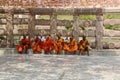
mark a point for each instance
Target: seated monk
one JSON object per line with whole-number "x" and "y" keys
{"x": 65, "y": 45}
{"x": 58, "y": 45}
{"x": 84, "y": 46}
{"x": 48, "y": 45}
{"x": 25, "y": 44}
{"x": 73, "y": 47}
{"x": 37, "y": 45}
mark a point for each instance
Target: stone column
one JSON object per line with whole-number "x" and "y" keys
{"x": 31, "y": 26}
{"x": 53, "y": 25}
{"x": 9, "y": 27}
{"x": 76, "y": 27}
{"x": 99, "y": 32}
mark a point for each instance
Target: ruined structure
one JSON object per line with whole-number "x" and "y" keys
{"x": 31, "y": 21}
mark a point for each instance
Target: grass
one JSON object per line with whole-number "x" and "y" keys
{"x": 115, "y": 27}
{"x": 46, "y": 17}
{"x": 105, "y": 39}
{"x": 113, "y": 16}
{"x": 65, "y": 17}
{"x": 87, "y": 17}
{"x": 69, "y": 17}
{"x": 81, "y": 17}
{"x": 116, "y": 40}
{"x": 59, "y": 17}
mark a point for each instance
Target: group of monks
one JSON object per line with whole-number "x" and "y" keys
{"x": 48, "y": 45}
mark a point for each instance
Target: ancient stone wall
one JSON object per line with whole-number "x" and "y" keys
{"x": 98, "y": 32}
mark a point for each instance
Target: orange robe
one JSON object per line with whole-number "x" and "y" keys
{"x": 28, "y": 43}
{"x": 25, "y": 44}
{"x": 51, "y": 43}
{"x": 73, "y": 45}
{"x": 65, "y": 45}
{"x": 37, "y": 45}
{"x": 58, "y": 46}
{"x": 83, "y": 44}
{"x": 48, "y": 45}
{"x": 19, "y": 48}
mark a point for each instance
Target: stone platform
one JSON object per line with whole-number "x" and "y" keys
{"x": 58, "y": 67}
{"x": 104, "y": 52}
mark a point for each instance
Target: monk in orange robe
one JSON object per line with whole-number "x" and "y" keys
{"x": 84, "y": 46}
{"x": 25, "y": 43}
{"x": 37, "y": 46}
{"x": 48, "y": 45}
{"x": 65, "y": 44}
{"x": 58, "y": 45}
{"x": 73, "y": 47}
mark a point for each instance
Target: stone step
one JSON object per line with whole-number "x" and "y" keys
{"x": 105, "y": 52}
{"x": 59, "y": 67}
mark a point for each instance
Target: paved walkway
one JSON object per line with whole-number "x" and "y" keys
{"x": 62, "y": 67}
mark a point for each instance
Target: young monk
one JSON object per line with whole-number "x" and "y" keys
{"x": 48, "y": 45}
{"x": 58, "y": 45}
{"x": 25, "y": 44}
{"x": 73, "y": 47}
{"x": 37, "y": 45}
{"x": 84, "y": 46}
{"x": 65, "y": 45}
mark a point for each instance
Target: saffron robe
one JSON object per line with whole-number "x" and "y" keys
{"x": 48, "y": 45}
{"x": 19, "y": 48}
{"x": 83, "y": 44}
{"x": 72, "y": 45}
{"x": 25, "y": 44}
{"x": 58, "y": 46}
{"x": 37, "y": 46}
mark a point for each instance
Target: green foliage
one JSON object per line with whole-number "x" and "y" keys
{"x": 84, "y": 17}
{"x": 87, "y": 17}
{"x": 46, "y": 17}
{"x": 82, "y": 28}
{"x": 65, "y": 17}
{"x": 112, "y": 27}
{"x": 68, "y": 27}
{"x": 81, "y": 17}
{"x": 112, "y": 16}
{"x": 3, "y": 37}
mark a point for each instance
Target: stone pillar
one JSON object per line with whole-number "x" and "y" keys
{"x": 99, "y": 32}
{"x": 31, "y": 26}
{"x": 53, "y": 25}
{"x": 76, "y": 27}
{"x": 9, "y": 27}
